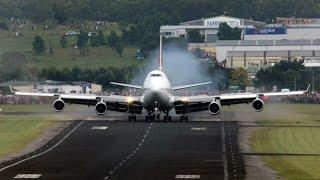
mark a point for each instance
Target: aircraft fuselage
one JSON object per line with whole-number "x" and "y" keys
{"x": 158, "y": 92}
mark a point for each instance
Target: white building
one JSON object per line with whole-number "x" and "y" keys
{"x": 65, "y": 89}
{"x": 292, "y": 48}
{"x": 208, "y": 27}
{"x": 281, "y": 32}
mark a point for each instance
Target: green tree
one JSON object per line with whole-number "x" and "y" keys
{"x": 82, "y": 42}
{"x": 226, "y": 32}
{"x": 239, "y": 77}
{"x": 38, "y": 45}
{"x": 59, "y": 14}
{"x": 194, "y": 36}
{"x": 63, "y": 42}
{"x": 112, "y": 39}
{"x": 118, "y": 48}
{"x": 286, "y": 74}
{"x": 97, "y": 39}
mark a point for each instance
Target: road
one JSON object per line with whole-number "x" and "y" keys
{"x": 131, "y": 150}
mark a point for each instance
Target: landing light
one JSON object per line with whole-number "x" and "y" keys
{"x": 184, "y": 99}
{"x": 129, "y": 99}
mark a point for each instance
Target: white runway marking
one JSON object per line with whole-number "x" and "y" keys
{"x": 31, "y": 157}
{"x": 140, "y": 145}
{"x": 198, "y": 129}
{"x": 190, "y": 176}
{"x": 99, "y": 127}
{"x": 27, "y": 176}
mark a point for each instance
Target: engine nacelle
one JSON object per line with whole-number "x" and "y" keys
{"x": 257, "y": 105}
{"x": 101, "y": 108}
{"x": 214, "y": 107}
{"x": 58, "y": 105}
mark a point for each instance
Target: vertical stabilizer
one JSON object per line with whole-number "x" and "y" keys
{"x": 160, "y": 63}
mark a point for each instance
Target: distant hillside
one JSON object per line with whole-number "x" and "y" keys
{"x": 167, "y": 10}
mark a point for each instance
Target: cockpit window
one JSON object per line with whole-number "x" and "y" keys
{"x": 155, "y": 75}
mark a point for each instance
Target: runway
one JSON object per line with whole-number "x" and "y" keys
{"x": 119, "y": 150}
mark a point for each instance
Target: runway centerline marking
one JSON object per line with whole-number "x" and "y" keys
{"x": 99, "y": 127}
{"x": 189, "y": 176}
{"x": 27, "y": 176}
{"x": 126, "y": 159}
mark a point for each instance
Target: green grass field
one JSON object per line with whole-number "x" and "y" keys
{"x": 22, "y": 124}
{"x": 64, "y": 57}
{"x": 301, "y": 140}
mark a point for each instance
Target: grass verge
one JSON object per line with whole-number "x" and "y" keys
{"x": 293, "y": 140}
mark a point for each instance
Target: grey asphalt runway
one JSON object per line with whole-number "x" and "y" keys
{"x": 130, "y": 150}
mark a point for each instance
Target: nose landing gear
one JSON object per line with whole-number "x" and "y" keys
{"x": 150, "y": 116}
{"x": 132, "y": 117}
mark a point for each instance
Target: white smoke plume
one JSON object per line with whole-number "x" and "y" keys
{"x": 181, "y": 67}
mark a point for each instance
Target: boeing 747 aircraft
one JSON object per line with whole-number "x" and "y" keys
{"x": 158, "y": 98}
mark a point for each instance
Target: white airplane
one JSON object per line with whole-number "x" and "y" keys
{"x": 158, "y": 97}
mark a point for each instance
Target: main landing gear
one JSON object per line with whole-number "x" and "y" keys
{"x": 152, "y": 116}
{"x": 167, "y": 117}
{"x": 184, "y": 117}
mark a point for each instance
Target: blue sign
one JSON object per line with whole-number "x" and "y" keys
{"x": 256, "y": 31}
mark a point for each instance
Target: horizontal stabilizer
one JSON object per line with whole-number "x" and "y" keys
{"x": 126, "y": 85}
{"x": 190, "y": 85}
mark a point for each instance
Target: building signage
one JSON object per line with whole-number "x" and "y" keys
{"x": 256, "y": 31}
{"x": 312, "y": 62}
{"x": 216, "y": 22}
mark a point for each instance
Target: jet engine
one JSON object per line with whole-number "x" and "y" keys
{"x": 101, "y": 108}
{"x": 214, "y": 107}
{"x": 58, "y": 105}
{"x": 257, "y": 105}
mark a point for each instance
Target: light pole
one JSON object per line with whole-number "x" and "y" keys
{"x": 73, "y": 52}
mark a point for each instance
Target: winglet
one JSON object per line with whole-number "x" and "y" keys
{"x": 308, "y": 89}
{"x": 11, "y": 90}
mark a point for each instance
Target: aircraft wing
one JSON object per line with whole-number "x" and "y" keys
{"x": 190, "y": 85}
{"x": 113, "y": 102}
{"x": 126, "y": 85}
{"x": 184, "y": 104}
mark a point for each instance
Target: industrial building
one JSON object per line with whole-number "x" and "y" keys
{"x": 289, "y": 49}
{"x": 262, "y": 44}
{"x": 283, "y": 32}
{"x": 54, "y": 87}
{"x": 208, "y": 27}
{"x": 256, "y": 54}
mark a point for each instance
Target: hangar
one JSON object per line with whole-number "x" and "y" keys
{"x": 208, "y": 27}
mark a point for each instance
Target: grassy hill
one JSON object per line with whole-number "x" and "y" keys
{"x": 62, "y": 57}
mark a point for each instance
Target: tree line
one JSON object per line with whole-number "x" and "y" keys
{"x": 101, "y": 76}
{"x": 96, "y": 39}
{"x": 287, "y": 74}
{"x": 133, "y": 11}
{"x": 141, "y": 19}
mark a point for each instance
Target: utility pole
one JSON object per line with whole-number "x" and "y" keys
{"x": 312, "y": 80}
{"x": 73, "y": 52}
